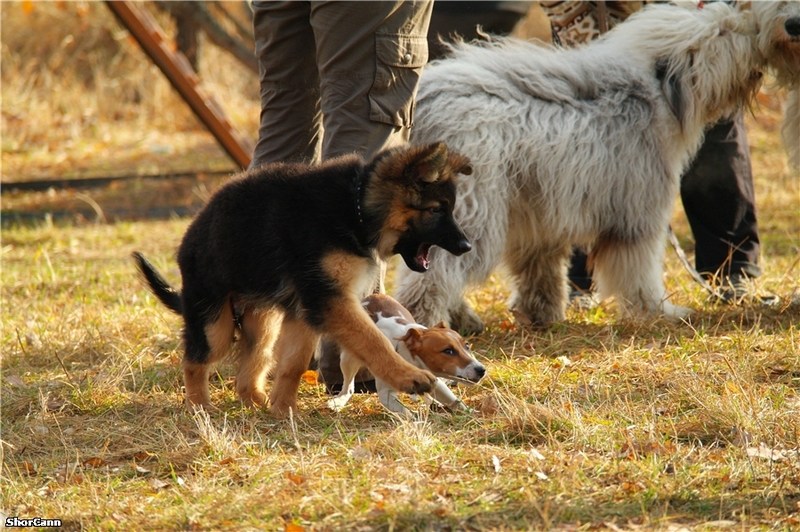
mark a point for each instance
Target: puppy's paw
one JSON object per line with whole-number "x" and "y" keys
{"x": 253, "y": 399}
{"x": 281, "y": 409}
{"x": 195, "y": 407}
{"x": 414, "y": 381}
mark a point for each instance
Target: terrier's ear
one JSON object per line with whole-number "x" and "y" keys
{"x": 412, "y": 337}
{"x": 429, "y": 163}
{"x": 441, "y": 325}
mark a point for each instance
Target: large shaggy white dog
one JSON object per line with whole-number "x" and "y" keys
{"x": 779, "y": 44}
{"x": 576, "y": 147}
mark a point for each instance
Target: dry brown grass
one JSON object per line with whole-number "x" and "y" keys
{"x": 593, "y": 424}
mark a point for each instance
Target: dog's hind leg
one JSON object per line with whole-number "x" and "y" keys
{"x": 633, "y": 273}
{"x": 259, "y": 332}
{"x": 205, "y": 345}
{"x": 540, "y": 277}
{"x": 293, "y": 352}
{"x": 349, "y": 366}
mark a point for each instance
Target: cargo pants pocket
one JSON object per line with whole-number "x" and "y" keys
{"x": 400, "y": 59}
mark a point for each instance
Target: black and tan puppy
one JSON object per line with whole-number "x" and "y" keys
{"x": 286, "y": 252}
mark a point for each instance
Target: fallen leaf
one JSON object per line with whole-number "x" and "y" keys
{"x": 360, "y": 453}
{"x": 310, "y": 377}
{"x": 562, "y": 361}
{"x": 28, "y": 468}
{"x": 95, "y": 462}
{"x": 534, "y": 453}
{"x": 54, "y": 405}
{"x": 762, "y": 451}
{"x": 295, "y": 479}
{"x": 489, "y": 406}
{"x": 32, "y": 340}
{"x": 14, "y": 380}
{"x": 291, "y": 527}
{"x": 507, "y": 326}
{"x": 158, "y": 484}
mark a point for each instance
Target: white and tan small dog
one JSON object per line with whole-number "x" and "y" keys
{"x": 438, "y": 349}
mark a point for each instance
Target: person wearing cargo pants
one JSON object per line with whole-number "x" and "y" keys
{"x": 337, "y": 78}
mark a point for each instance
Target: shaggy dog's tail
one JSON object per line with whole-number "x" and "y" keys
{"x": 158, "y": 285}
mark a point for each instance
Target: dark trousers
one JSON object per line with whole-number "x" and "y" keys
{"x": 718, "y": 198}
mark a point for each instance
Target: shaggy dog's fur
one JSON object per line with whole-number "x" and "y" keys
{"x": 779, "y": 44}
{"x": 286, "y": 252}
{"x": 577, "y": 146}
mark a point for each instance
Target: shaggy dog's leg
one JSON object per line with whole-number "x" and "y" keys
{"x": 434, "y": 296}
{"x": 205, "y": 345}
{"x": 293, "y": 352}
{"x": 464, "y": 319}
{"x": 540, "y": 279}
{"x": 428, "y": 297}
{"x": 259, "y": 333}
{"x": 632, "y": 271}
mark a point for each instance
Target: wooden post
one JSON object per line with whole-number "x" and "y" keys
{"x": 180, "y": 74}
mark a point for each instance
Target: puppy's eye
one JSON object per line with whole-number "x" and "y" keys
{"x": 466, "y": 345}
{"x": 435, "y": 210}
{"x": 449, "y": 351}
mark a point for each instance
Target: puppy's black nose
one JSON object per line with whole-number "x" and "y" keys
{"x": 463, "y": 246}
{"x": 792, "y": 26}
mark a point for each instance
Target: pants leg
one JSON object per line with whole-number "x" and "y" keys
{"x": 291, "y": 122}
{"x": 718, "y": 197}
{"x": 370, "y": 57}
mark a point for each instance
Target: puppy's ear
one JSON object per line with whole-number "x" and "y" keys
{"x": 672, "y": 88}
{"x": 441, "y": 325}
{"x": 460, "y": 163}
{"x": 429, "y": 163}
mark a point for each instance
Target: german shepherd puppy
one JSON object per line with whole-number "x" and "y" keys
{"x": 286, "y": 252}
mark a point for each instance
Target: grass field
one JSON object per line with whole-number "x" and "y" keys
{"x": 598, "y": 423}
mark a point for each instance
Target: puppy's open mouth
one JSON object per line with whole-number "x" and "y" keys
{"x": 421, "y": 258}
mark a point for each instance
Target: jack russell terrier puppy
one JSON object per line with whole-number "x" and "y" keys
{"x": 439, "y": 349}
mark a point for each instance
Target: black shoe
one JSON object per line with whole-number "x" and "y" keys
{"x": 738, "y": 289}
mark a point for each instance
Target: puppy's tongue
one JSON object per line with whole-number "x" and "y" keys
{"x": 422, "y": 256}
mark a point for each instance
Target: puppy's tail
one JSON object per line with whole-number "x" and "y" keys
{"x": 158, "y": 285}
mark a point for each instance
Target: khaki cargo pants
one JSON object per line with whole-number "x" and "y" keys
{"x": 337, "y": 77}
